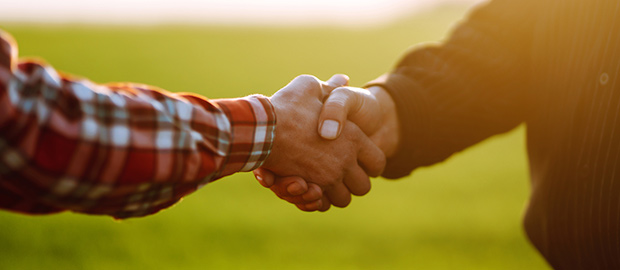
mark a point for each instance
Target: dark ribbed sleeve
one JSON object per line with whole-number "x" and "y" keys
{"x": 470, "y": 87}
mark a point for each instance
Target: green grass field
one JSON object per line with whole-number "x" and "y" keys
{"x": 462, "y": 214}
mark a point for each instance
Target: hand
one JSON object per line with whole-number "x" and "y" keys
{"x": 373, "y": 110}
{"x": 294, "y": 189}
{"x": 341, "y": 166}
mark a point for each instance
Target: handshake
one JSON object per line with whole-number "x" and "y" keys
{"x": 329, "y": 139}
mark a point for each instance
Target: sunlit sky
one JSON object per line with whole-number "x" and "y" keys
{"x": 337, "y": 12}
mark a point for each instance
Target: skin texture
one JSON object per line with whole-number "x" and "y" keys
{"x": 374, "y": 111}
{"x": 338, "y": 167}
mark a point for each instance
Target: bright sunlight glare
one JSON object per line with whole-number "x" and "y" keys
{"x": 272, "y": 12}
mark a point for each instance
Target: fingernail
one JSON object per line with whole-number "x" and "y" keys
{"x": 294, "y": 189}
{"x": 311, "y": 196}
{"x": 313, "y": 206}
{"x": 260, "y": 180}
{"x": 329, "y": 129}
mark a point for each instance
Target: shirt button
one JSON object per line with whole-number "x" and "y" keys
{"x": 604, "y": 79}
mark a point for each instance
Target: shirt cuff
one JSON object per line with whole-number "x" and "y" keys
{"x": 253, "y": 122}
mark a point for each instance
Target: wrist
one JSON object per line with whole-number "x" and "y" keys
{"x": 388, "y": 136}
{"x": 270, "y": 160}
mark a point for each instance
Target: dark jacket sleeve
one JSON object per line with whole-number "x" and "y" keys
{"x": 470, "y": 87}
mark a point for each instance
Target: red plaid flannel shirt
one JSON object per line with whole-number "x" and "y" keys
{"x": 123, "y": 150}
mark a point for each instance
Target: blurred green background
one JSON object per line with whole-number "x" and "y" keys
{"x": 462, "y": 214}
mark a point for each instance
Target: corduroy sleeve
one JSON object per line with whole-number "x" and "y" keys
{"x": 468, "y": 88}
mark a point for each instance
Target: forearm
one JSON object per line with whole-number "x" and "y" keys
{"x": 122, "y": 150}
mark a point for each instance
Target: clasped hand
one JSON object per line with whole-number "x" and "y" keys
{"x": 329, "y": 140}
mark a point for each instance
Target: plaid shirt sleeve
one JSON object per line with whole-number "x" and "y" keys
{"x": 123, "y": 150}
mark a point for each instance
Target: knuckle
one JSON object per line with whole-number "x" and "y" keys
{"x": 344, "y": 90}
{"x": 338, "y": 99}
{"x": 307, "y": 79}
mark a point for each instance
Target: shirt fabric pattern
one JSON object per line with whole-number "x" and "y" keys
{"x": 123, "y": 150}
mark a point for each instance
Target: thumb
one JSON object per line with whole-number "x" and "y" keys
{"x": 349, "y": 103}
